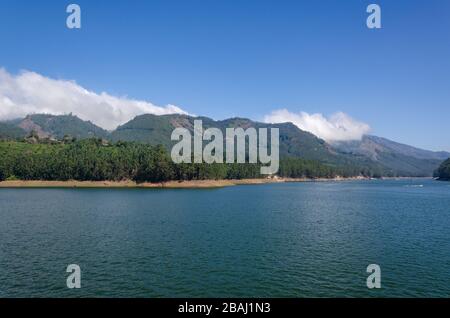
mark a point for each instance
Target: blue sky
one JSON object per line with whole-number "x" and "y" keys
{"x": 249, "y": 58}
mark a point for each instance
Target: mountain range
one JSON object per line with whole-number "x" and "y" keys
{"x": 386, "y": 157}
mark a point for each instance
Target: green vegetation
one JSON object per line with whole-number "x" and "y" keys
{"x": 10, "y": 131}
{"x": 153, "y": 129}
{"x": 443, "y": 173}
{"x": 298, "y": 168}
{"x": 301, "y": 152}
{"x": 294, "y": 143}
{"x": 97, "y": 160}
{"x": 89, "y": 159}
{"x": 67, "y": 125}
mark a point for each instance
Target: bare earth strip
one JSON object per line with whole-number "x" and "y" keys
{"x": 132, "y": 184}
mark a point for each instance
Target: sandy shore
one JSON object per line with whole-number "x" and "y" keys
{"x": 169, "y": 184}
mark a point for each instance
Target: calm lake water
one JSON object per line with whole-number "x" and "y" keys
{"x": 274, "y": 240}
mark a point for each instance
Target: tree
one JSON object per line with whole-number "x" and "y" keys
{"x": 2, "y": 173}
{"x": 443, "y": 172}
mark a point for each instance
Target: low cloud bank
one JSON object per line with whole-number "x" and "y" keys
{"x": 31, "y": 93}
{"x": 338, "y": 127}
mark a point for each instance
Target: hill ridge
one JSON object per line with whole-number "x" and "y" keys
{"x": 377, "y": 154}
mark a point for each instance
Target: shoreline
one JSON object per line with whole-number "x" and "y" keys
{"x": 192, "y": 184}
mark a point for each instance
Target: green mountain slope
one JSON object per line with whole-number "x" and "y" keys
{"x": 9, "y": 130}
{"x": 158, "y": 129}
{"x": 294, "y": 142}
{"x": 59, "y": 126}
{"x": 372, "y": 156}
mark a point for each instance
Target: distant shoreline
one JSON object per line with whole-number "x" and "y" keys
{"x": 165, "y": 185}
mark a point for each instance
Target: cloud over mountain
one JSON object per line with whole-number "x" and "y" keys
{"x": 29, "y": 92}
{"x": 338, "y": 127}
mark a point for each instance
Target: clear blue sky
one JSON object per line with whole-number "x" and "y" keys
{"x": 228, "y": 58}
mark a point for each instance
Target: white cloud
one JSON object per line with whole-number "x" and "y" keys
{"x": 29, "y": 93}
{"x": 338, "y": 127}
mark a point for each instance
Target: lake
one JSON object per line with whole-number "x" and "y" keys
{"x": 272, "y": 240}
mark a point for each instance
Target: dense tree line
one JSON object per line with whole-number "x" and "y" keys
{"x": 443, "y": 172}
{"x": 97, "y": 160}
{"x": 298, "y": 168}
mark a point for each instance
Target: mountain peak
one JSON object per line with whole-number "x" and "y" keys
{"x": 58, "y": 126}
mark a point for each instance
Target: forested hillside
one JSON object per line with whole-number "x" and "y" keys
{"x": 95, "y": 160}
{"x": 11, "y": 131}
{"x": 294, "y": 142}
{"x": 372, "y": 156}
{"x": 59, "y": 126}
